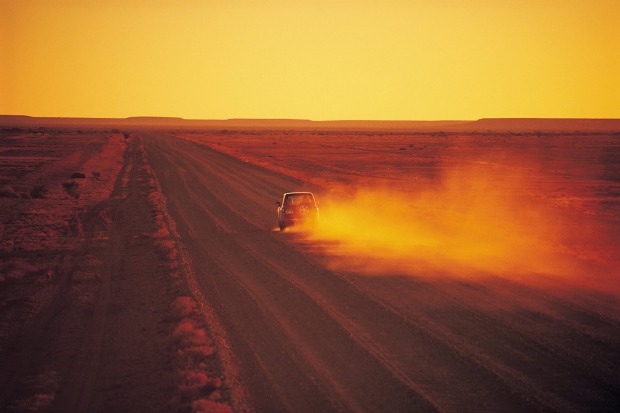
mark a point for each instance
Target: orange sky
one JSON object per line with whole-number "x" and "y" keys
{"x": 313, "y": 59}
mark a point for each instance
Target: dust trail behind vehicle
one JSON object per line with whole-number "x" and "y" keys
{"x": 479, "y": 219}
{"x": 306, "y": 335}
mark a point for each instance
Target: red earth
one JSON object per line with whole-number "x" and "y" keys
{"x": 449, "y": 271}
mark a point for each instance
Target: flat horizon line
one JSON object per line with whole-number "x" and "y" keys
{"x": 482, "y": 124}
{"x": 303, "y": 119}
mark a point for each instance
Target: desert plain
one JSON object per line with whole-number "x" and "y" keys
{"x": 454, "y": 268}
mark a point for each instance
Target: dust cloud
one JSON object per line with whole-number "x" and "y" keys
{"x": 475, "y": 220}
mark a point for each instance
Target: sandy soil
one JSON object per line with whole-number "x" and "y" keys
{"x": 95, "y": 312}
{"x": 449, "y": 272}
{"x": 311, "y": 332}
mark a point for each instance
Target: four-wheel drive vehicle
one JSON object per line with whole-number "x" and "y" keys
{"x": 297, "y": 208}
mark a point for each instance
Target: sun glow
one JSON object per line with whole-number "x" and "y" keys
{"x": 310, "y": 59}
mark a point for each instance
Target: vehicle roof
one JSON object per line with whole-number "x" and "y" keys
{"x": 298, "y": 193}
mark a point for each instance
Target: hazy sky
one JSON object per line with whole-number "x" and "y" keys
{"x": 312, "y": 59}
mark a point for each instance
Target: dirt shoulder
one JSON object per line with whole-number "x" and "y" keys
{"x": 104, "y": 321}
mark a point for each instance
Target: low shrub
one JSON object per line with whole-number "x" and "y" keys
{"x": 198, "y": 381}
{"x": 8, "y": 192}
{"x": 184, "y": 306}
{"x": 209, "y": 406}
{"x": 71, "y": 188}
{"x": 39, "y": 191}
{"x": 6, "y": 246}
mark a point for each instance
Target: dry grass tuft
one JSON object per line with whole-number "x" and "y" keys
{"x": 7, "y": 191}
{"x": 199, "y": 389}
{"x": 184, "y": 306}
{"x": 196, "y": 381}
{"x": 194, "y": 350}
{"x": 39, "y": 191}
{"x": 208, "y": 406}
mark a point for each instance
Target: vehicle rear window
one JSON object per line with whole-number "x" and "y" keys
{"x": 298, "y": 199}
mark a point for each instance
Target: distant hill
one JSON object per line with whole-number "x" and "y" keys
{"x": 542, "y": 124}
{"x": 481, "y": 125}
{"x": 230, "y": 123}
{"x": 152, "y": 120}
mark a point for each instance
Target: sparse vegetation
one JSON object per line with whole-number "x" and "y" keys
{"x": 7, "y": 191}
{"x": 209, "y": 406}
{"x": 39, "y": 191}
{"x": 194, "y": 349}
{"x": 71, "y": 188}
{"x": 199, "y": 388}
{"x": 6, "y": 246}
{"x": 41, "y": 241}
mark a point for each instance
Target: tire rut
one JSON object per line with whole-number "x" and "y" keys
{"x": 248, "y": 257}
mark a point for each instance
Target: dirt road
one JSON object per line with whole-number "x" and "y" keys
{"x": 297, "y": 336}
{"x": 110, "y": 326}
